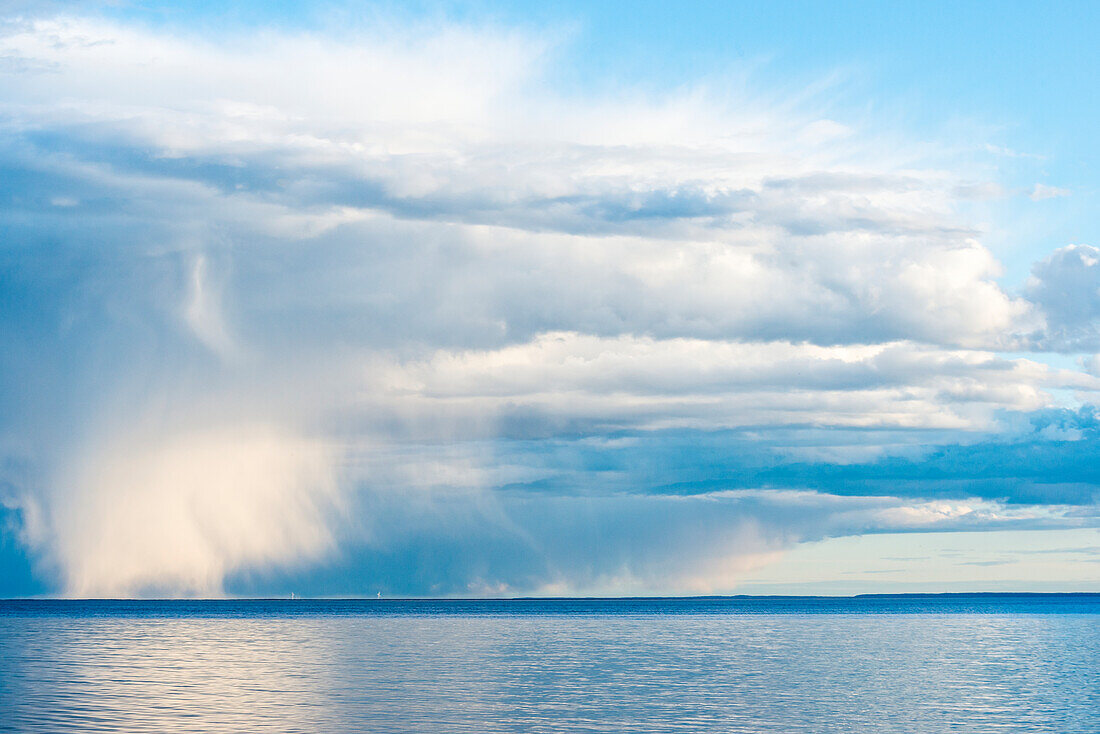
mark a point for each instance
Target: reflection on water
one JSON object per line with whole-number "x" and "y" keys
{"x": 547, "y": 672}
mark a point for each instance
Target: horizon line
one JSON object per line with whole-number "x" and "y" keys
{"x": 913, "y": 594}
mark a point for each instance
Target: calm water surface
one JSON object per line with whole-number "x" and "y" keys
{"x": 885, "y": 664}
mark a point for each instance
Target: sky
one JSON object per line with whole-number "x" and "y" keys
{"x": 499, "y": 299}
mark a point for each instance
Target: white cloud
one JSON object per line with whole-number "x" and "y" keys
{"x": 203, "y": 311}
{"x": 1043, "y": 191}
{"x": 174, "y": 514}
{"x": 684, "y": 215}
{"x": 640, "y": 382}
{"x": 393, "y": 239}
{"x": 1066, "y": 287}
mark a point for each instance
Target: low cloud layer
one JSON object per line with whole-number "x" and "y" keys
{"x": 378, "y": 308}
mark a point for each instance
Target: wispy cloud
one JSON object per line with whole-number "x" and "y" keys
{"x": 1043, "y": 191}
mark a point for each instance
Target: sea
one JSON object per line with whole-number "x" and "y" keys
{"x": 910, "y": 663}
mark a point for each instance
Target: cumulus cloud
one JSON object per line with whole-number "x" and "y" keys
{"x": 673, "y": 216}
{"x": 1066, "y": 287}
{"x": 350, "y": 274}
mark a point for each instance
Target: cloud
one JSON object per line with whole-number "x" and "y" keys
{"x": 591, "y": 383}
{"x": 175, "y": 514}
{"x": 203, "y": 311}
{"x": 1045, "y": 461}
{"x": 384, "y": 304}
{"x": 1066, "y": 287}
{"x": 1042, "y": 191}
{"x": 503, "y": 544}
{"x": 680, "y": 216}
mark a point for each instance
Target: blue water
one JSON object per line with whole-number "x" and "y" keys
{"x": 1022, "y": 663}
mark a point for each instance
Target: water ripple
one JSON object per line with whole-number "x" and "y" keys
{"x": 551, "y": 673}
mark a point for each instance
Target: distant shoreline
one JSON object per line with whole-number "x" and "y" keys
{"x": 498, "y": 599}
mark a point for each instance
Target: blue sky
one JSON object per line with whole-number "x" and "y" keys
{"x": 493, "y": 298}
